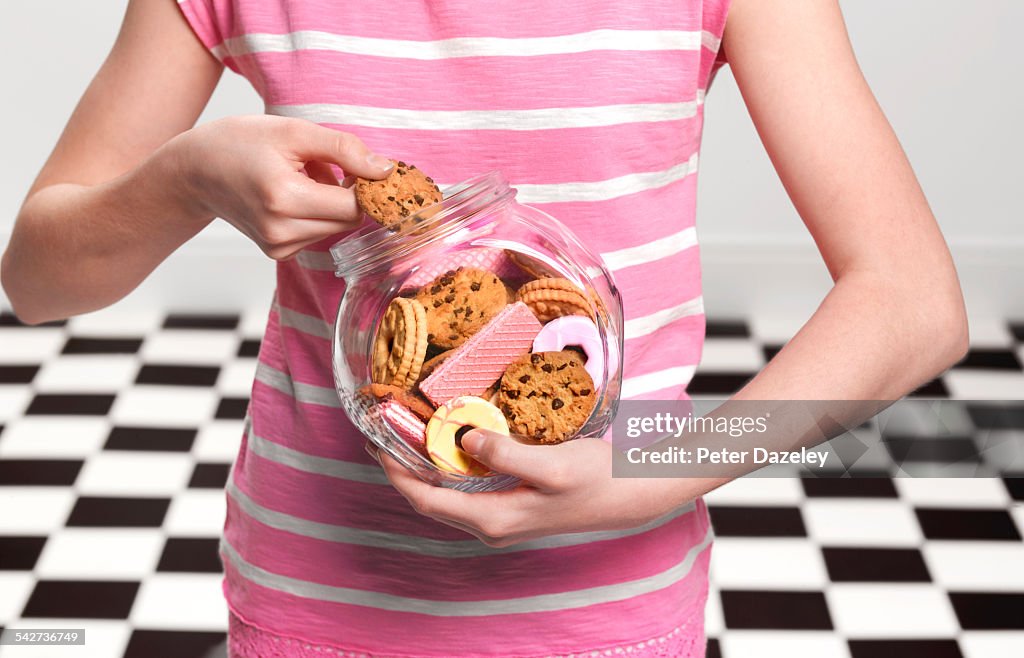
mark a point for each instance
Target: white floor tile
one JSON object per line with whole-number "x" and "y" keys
{"x": 880, "y": 523}
{"x": 190, "y": 346}
{"x": 50, "y": 437}
{"x": 124, "y": 473}
{"x": 30, "y": 345}
{"x": 218, "y": 441}
{"x": 731, "y": 355}
{"x": 953, "y": 492}
{"x": 87, "y": 373}
{"x": 969, "y": 566}
{"x": 891, "y": 611}
{"x": 103, "y": 638}
{"x": 113, "y": 322}
{"x": 714, "y": 620}
{"x": 785, "y": 564}
{"x": 254, "y": 322}
{"x": 236, "y": 378}
{"x": 755, "y": 491}
{"x": 13, "y": 401}
{"x": 783, "y": 644}
{"x": 34, "y": 510}
{"x": 164, "y": 406}
{"x": 992, "y": 644}
{"x": 101, "y": 554}
{"x": 16, "y": 587}
{"x": 989, "y": 332}
{"x": 985, "y": 384}
{"x": 196, "y": 513}
{"x": 181, "y": 601}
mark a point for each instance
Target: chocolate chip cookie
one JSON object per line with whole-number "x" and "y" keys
{"x": 459, "y": 303}
{"x": 405, "y": 191}
{"x": 547, "y": 396}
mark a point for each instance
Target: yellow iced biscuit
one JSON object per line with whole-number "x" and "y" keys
{"x": 450, "y": 422}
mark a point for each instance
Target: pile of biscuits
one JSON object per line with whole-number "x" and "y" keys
{"x": 468, "y": 350}
{"x": 486, "y": 339}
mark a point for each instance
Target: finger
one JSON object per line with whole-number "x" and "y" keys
{"x": 314, "y": 200}
{"x": 436, "y": 502}
{"x": 532, "y": 463}
{"x": 321, "y": 172}
{"x": 343, "y": 149}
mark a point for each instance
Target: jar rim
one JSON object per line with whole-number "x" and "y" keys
{"x": 373, "y": 245}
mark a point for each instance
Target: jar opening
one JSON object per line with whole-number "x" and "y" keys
{"x": 372, "y": 245}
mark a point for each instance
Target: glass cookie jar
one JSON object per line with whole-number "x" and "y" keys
{"x": 478, "y": 311}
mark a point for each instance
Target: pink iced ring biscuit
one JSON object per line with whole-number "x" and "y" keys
{"x": 404, "y": 422}
{"x": 480, "y": 361}
{"x": 577, "y": 331}
{"x": 483, "y": 258}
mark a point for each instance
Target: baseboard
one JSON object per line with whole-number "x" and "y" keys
{"x": 222, "y": 270}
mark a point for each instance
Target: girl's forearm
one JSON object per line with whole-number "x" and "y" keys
{"x": 872, "y": 339}
{"x": 77, "y": 248}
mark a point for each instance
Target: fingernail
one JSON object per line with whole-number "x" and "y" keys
{"x": 472, "y": 441}
{"x": 379, "y": 161}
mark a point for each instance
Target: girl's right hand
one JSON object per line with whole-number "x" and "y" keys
{"x": 270, "y": 177}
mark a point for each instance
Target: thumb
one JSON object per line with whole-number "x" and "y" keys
{"x": 344, "y": 149}
{"x": 504, "y": 454}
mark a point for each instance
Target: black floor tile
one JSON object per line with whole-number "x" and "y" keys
{"x": 78, "y": 345}
{"x": 1015, "y": 486}
{"x": 192, "y": 321}
{"x": 727, "y": 329}
{"x": 76, "y": 405}
{"x": 178, "y": 375}
{"x": 150, "y": 438}
{"x": 770, "y": 351}
{"x": 775, "y": 610}
{"x": 84, "y": 599}
{"x": 982, "y": 611}
{"x": 875, "y": 565}
{"x": 8, "y": 319}
{"x": 757, "y": 521}
{"x": 713, "y": 649}
{"x": 904, "y": 649}
{"x": 936, "y": 388}
{"x": 20, "y": 553}
{"x": 856, "y": 487}
{"x": 171, "y": 644}
{"x": 190, "y": 554}
{"x": 717, "y": 383}
{"x": 249, "y": 348}
{"x": 1017, "y": 329}
{"x": 18, "y": 374}
{"x": 1004, "y": 416}
{"x": 209, "y": 476}
{"x": 232, "y": 408}
{"x": 40, "y": 472}
{"x": 995, "y": 524}
{"x": 96, "y": 512}
{"x": 941, "y": 450}
{"x": 990, "y": 359}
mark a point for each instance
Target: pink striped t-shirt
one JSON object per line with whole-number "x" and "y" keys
{"x": 593, "y": 110}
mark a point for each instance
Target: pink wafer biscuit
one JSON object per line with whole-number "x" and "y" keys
{"x": 405, "y": 423}
{"x": 480, "y": 361}
{"x": 484, "y": 258}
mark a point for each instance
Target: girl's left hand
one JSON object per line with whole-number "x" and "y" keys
{"x": 566, "y": 488}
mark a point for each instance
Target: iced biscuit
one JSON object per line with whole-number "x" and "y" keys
{"x": 450, "y": 422}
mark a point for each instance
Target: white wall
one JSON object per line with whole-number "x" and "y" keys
{"x": 947, "y": 73}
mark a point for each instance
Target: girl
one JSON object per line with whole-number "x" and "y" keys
{"x": 595, "y": 109}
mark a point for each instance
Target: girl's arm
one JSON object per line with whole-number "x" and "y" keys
{"x": 129, "y": 180}
{"x": 894, "y": 319}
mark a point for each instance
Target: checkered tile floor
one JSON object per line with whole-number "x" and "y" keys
{"x": 117, "y": 432}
